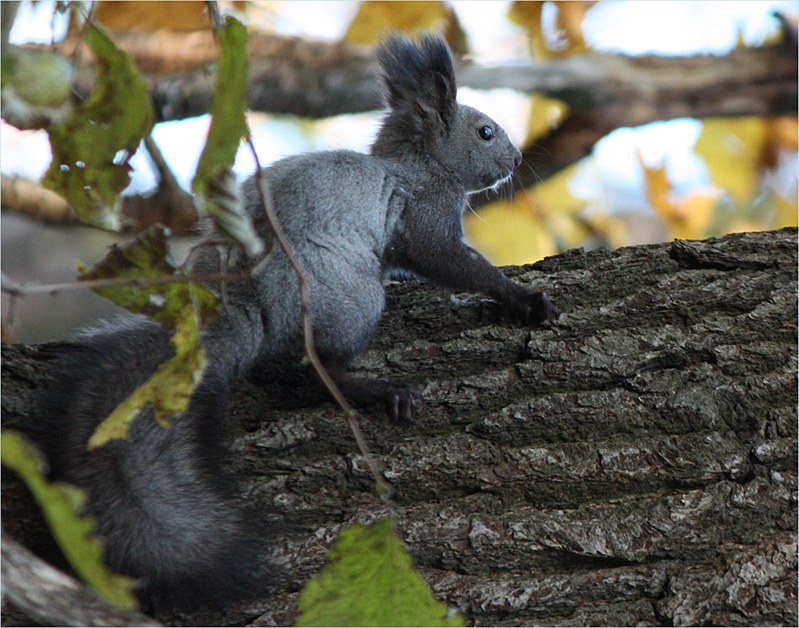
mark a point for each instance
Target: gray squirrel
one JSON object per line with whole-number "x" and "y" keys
{"x": 164, "y": 506}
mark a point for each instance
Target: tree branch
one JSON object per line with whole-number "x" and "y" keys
{"x": 633, "y": 463}
{"x": 27, "y": 197}
{"x": 54, "y": 599}
{"x": 168, "y": 204}
{"x": 603, "y": 91}
{"x": 319, "y": 79}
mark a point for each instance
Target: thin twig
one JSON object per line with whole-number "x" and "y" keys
{"x": 214, "y": 15}
{"x": 165, "y": 173}
{"x": 15, "y": 288}
{"x": 384, "y": 488}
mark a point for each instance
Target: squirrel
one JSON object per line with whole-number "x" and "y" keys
{"x": 164, "y": 506}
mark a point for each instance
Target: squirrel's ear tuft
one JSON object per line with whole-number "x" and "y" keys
{"x": 419, "y": 76}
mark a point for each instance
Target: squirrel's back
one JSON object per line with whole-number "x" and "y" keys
{"x": 340, "y": 241}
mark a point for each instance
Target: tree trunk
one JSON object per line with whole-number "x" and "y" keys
{"x": 634, "y": 463}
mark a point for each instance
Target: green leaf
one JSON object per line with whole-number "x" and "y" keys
{"x": 183, "y": 306}
{"x": 214, "y": 184}
{"x": 370, "y": 580}
{"x": 91, "y": 148}
{"x": 74, "y": 533}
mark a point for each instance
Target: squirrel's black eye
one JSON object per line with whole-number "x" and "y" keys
{"x": 486, "y": 133}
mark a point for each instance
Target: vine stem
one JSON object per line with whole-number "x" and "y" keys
{"x": 384, "y": 488}
{"x": 15, "y": 288}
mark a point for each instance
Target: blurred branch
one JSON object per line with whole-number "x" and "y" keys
{"x": 52, "y": 597}
{"x": 168, "y": 204}
{"x": 603, "y": 91}
{"x": 28, "y": 197}
{"x": 287, "y": 74}
{"x": 606, "y": 92}
{"x": 318, "y": 79}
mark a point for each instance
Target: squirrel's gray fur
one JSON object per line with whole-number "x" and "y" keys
{"x": 163, "y": 505}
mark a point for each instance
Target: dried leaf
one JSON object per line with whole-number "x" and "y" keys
{"x": 528, "y": 15}
{"x": 524, "y": 229}
{"x": 687, "y": 216}
{"x": 546, "y": 115}
{"x": 91, "y": 148}
{"x": 732, "y": 149}
{"x": 186, "y": 307}
{"x": 375, "y": 18}
{"x": 173, "y": 15}
{"x": 566, "y": 40}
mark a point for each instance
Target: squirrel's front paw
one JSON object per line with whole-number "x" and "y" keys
{"x": 533, "y": 308}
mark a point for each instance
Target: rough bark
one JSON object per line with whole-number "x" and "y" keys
{"x": 634, "y": 463}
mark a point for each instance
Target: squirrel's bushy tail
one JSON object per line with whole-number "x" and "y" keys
{"x": 164, "y": 505}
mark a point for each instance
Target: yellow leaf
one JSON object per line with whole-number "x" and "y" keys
{"x": 780, "y": 136}
{"x": 528, "y": 16}
{"x": 370, "y": 580}
{"x": 686, "y": 216}
{"x": 785, "y": 131}
{"x": 150, "y": 16}
{"x": 74, "y": 531}
{"x": 568, "y": 22}
{"x": 658, "y": 187}
{"x": 93, "y": 145}
{"x": 553, "y": 194}
{"x": 546, "y": 115}
{"x": 732, "y": 149}
{"x": 169, "y": 390}
{"x": 523, "y": 230}
{"x": 510, "y": 232}
{"x": 740, "y": 42}
{"x": 184, "y": 307}
{"x": 375, "y": 18}
{"x": 738, "y": 152}
{"x": 694, "y": 213}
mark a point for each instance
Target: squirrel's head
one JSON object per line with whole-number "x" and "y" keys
{"x": 427, "y": 121}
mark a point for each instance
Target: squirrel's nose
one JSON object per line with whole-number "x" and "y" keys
{"x": 517, "y": 158}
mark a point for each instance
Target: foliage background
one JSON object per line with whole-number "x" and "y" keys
{"x": 678, "y": 179}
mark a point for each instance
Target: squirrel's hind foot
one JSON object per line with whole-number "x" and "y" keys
{"x": 399, "y": 400}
